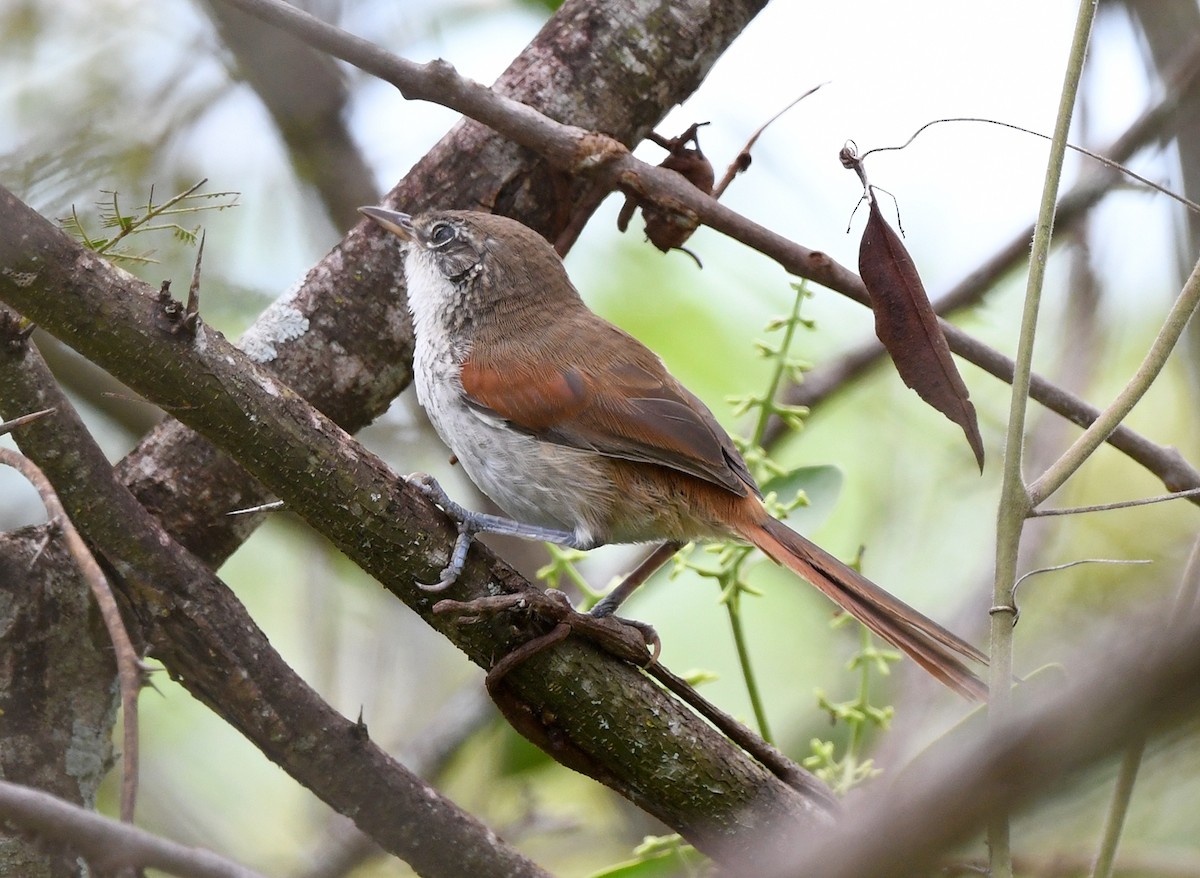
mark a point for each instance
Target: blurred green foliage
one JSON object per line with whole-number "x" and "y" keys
{"x": 122, "y": 96}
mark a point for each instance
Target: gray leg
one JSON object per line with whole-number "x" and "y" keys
{"x": 471, "y": 523}
{"x": 652, "y": 562}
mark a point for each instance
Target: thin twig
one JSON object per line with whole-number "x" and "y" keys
{"x": 107, "y": 844}
{"x": 129, "y": 665}
{"x": 742, "y": 160}
{"x": 1054, "y": 568}
{"x": 1120, "y": 504}
{"x": 1118, "y": 808}
{"x": 1185, "y": 600}
{"x": 9, "y": 426}
{"x": 1099, "y": 157}
{"x": 1156, "y": 358}
{"x": 1015, "y": 503}
{"x": 270, "y": 506}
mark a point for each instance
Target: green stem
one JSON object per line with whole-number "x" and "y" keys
{"x": 767, "y": 409}
{"x": 1014, "y": 498}
{"x": 1117, "y": 809}
{"x": 733, "y": 607}
{"x": 1075, "y": 456}
{"x": 1114, "y": 823}
{"x": 151, "y": 213}
{"x": 590, "y": 595}
{"x": 858, "y": 730}
{"x": 733, "y": 603}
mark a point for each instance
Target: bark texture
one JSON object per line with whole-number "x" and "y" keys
{"x": 57, "y": 690}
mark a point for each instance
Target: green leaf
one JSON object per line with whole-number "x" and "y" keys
{"x": 664, "y": 865}
{"x": 656, "y": 857}
{"x": 699, "y": 676}
{"x": 820, "y": 484}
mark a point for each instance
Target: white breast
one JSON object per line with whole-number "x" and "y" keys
{"x": 532, "y": 481}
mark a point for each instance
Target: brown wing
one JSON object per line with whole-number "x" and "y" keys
{"x": 616, "y": 398}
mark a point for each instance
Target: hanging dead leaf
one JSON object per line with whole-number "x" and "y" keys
{"x": 670, "y": 230}
{"x": 908, "y": 327}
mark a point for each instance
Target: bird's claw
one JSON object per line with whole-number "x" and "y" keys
{"x": 443, "y": 583}
{"x": 437, "y": 495}
{"x": 633, "y": 641}
{"x": 458, "y": 560}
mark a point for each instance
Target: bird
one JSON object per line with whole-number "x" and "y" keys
{"x": 581, "y": 435}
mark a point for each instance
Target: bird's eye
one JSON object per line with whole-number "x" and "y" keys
{"x": 441, "y": 233}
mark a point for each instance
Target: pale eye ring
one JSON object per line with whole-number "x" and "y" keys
{"x": 441, "y": 234}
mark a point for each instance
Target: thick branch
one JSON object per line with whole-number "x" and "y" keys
{"x": 57, "y": 686}
{"x": 210, "y": 644}
{"x": 107, "y": 844}
{"x": 129, "y": 670}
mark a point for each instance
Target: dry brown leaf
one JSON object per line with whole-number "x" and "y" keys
{"x": 908, "y": 327}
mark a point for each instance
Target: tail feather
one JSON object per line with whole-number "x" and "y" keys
{"x": 928, "y": 643}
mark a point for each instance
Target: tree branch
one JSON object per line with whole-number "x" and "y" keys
{"x": 57, "y": 684}
{"x": 1156, "y": 358}
{"x": 211, "y": 645}
{"x": 105, "y": 843}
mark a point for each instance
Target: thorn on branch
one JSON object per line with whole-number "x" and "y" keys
{"x": 9, "y": 426}
{"x": 191, "y": 313}
{"x": 181, "y": 318}
{"x": 15, "y": 330}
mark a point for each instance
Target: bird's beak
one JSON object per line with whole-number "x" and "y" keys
{"x": 397, "y": 223}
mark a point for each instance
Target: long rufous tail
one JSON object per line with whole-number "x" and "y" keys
{"x": 928, "y": 643}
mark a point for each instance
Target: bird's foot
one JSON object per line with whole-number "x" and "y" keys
{"x": 470, "y": 523}
{"x": 631, "y": 641}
